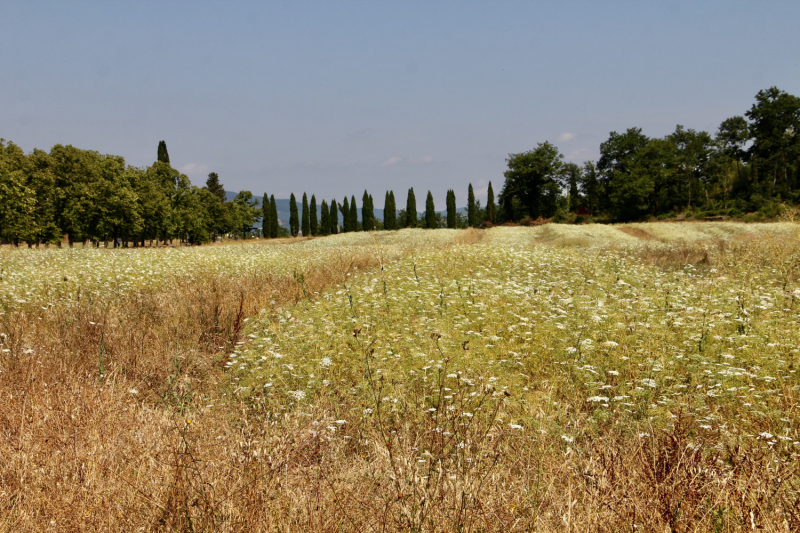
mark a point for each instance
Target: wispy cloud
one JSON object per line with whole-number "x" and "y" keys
{"x": 391, "y": 161}
{"x": 412, "y": 160}
{"x": 566, "y": 137}
{"x": 195, "y": 169}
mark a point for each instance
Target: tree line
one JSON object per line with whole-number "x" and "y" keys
{"x": 750, "y": 165}
{"x": 343, "y": 216}
{"x": 95, "y": 198}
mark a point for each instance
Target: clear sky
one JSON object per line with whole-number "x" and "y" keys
{"x": 334, "y": 97}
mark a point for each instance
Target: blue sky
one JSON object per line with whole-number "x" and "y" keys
{"x": 335, "y": 97}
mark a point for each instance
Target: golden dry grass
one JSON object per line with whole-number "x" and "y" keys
{"x": 117, "y": 414}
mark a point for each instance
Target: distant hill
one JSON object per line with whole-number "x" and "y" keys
{"x": 283, "y": 209}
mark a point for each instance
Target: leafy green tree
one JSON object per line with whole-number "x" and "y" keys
{"x": 274, "y": 227}
{"x": 472, "y": 218}
{"x": 345, "y": 216}
{"x": 116, "y": 209}
{"x": 42, "y": 182}
{"x": 732, "y": 136}
{"x": 491, "y": 207}
{"x": 294, "y": 223}
{"x": 248, "y": 211}
{"x": 775, "y": 128}
{"x": 451, "y": 209}
{"x": 573, "y": 174}
{"x": 18, "y": 205}
{"x": 217, "y": 213}
{"x": 639, "y": 174}
{"x": 430, "y": 212}
{"x": 691, "y": 161}
{"x": 213, "y": 185}
{"x": 590, "y": 187}
{"x": 411, "y": 210}
{"x": 325, "y": 219}
{"x": 534, "y": 179}
{"x": 163, "y": 155}
{"x": 306, "y": 217}
{"x": 313, "y": 221}
{"x": 334, "y": 214}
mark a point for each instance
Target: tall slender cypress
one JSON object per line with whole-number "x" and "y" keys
{"x": 372, "y": 222}
{"x": 451, "y": 209}
{"x": 325, "y": 219}
{"x": 353, "y": 214}
{"x": 313, "y": 219}
{"x": 366, "y": 222}
{"x": 491, "y": 208}
{"x": 306, "y": 227}
{"x": 266, "y": 217}
{"x": 274, "y": 222}
{"x": 389, "y": 212}
{"x": 334, "y": 218}
{"x": 163, "y": 155}
{"x": 430, "y": 212}
{"x": 411, "y": 210}
{"x": 294, "y": 222}
{"x": 472, "y": 211}
{"x": 393, "y": 213}
{"x": 346, "y": 216}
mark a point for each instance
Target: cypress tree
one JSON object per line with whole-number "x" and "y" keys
{"x": 274, "y": 223}
{"x": 451, "y": 209}
{"x": 334, "y": 218}
{"x": 372, "y": 213}
{"x": 266, "y": 217}
{"x": 430, "y": 212}
{"x": 411, "y": 210}
{"x": 353, "y": 214}
{"x": 366, "y": 222}
{"x": 472, "y": 211}
{"x": 388, "y": 210}
{"x": 325, "y": 219}
{"x": 346, "y": 216}
{"x": 393, "y": 212}
{"x": 306, "y": 218}
{"x": 491, "y": 208}
{"x": 163, "y": 155}
{"x": 313, "y": 219}
{"x": 294, "y": 223}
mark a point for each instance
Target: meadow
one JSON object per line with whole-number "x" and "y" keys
{"x": 552, "y": 378}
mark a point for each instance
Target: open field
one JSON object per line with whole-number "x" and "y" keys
{"x": 552, "y": 378}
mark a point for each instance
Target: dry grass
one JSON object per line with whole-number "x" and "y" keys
{"x": 96, "y": 399}
{"x": 117, "y": 414}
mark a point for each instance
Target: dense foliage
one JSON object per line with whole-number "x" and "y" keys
{"x": 752, "y": 164}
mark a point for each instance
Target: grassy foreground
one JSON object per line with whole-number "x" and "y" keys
{"x": 588, "y": 378}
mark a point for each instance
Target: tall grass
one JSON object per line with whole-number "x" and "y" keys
{"x": 471, "y": 381}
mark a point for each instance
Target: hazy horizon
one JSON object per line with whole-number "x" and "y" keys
{"x": 332, "y": 98}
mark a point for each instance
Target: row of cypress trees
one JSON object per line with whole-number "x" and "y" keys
{"x": 304, "y": 220}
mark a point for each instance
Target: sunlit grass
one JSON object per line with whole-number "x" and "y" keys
{"x": 545, "y": 378}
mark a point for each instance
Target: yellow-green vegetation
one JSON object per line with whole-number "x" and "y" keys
{"x": 595, "y": 378}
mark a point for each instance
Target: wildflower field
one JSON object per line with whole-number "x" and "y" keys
{"x": 552, "y": 378}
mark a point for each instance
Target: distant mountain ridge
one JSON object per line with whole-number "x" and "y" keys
{"x": 283, "y": 209}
